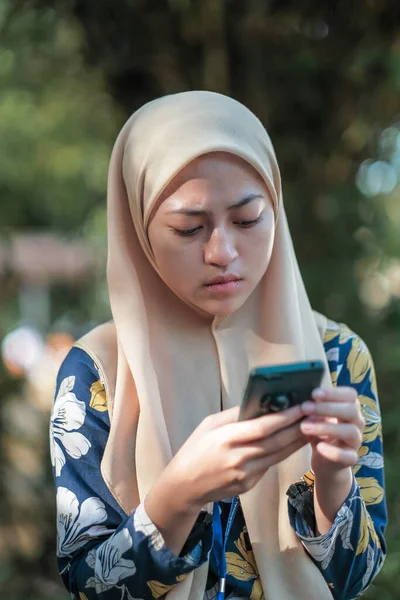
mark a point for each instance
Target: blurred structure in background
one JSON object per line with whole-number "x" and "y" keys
{"x": 325, "y": 80}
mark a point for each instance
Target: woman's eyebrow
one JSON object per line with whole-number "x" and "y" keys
{"x": 246, "y": 200}
{"x": 200, "y": 211}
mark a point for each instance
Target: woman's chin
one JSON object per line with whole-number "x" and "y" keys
{"x": 220, "y": 308}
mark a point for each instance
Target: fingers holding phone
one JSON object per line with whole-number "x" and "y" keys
{"x": 334, "y": 425}
{"x": 273, "y": 399}
{"x": 225, "y": 457}
{"x": 230, "y": 451}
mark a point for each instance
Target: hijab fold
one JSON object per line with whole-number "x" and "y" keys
{"x": 172, "y": 366}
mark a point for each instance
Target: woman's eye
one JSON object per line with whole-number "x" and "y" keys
{"x": 249, "y": 223}
{"x": 186, "y": 232}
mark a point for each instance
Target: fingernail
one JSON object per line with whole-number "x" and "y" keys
{"x": 318, "y": 394}
{"x": 306, "y": 426}
{"x": 308, "y": 406}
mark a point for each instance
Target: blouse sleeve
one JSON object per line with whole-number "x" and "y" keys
{"x": 352, "y": 552}
{"x": 103, "y": 553}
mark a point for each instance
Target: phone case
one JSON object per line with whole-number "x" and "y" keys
{"x": 272, "y": 389}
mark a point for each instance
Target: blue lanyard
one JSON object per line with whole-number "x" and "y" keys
{"x": 219, "y": 545}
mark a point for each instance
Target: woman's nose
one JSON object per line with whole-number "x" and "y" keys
{"x": 220, "y": 249}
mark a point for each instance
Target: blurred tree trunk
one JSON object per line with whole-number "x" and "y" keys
{"x": 215, "y": 67}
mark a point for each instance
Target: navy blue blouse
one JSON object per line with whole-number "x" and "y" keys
{"x": 105, "y": 554}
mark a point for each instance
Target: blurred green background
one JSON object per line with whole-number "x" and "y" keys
{"x": 324, "y": 77}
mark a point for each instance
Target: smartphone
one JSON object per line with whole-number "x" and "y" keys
{"x": 272, "y": 389}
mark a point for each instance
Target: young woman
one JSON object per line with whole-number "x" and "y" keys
{"x": 160, "y": 490}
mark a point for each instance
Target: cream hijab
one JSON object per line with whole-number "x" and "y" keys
{"x": 166, "y": 367}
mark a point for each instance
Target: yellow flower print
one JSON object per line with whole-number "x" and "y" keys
{"x": 98, "y": 399}
{"x": 345, "y": 334}
{"x": 159, "y": 589}
{"x": 334, "y": 378}
{"x": 372, "y": 379}
{"x": 367, "y": 532}
{"x": 332, "y": 331}
{"x": 243, "y": 567}
{"x": 337, "y": 329}
{"x": 364, "y": 536}
{"x": 362, "y": 452}
{"x": 257, "y": 591}
{"x": 373, "y": 423}
{"x": 371, "y": 491}
{"x": 358, "y": 361}
{"x": 369, "y": 459}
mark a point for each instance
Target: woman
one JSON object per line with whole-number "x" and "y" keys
{"x": 160, "y": 490}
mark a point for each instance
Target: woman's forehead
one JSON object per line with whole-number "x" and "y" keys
{"x": 211, "y": 162}
{"x": 222, "y": 168}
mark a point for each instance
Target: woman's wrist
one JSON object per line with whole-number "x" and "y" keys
{"x": 339, "y": 477}
{"x": 171, "y": 511}
{"x": 331, "y": 488}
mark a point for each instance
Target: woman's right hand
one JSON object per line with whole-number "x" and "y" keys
{"x": 221, "y": 459}
{"x": 224, "y": 457}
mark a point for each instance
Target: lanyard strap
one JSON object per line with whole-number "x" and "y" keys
{"x": 219, "y": 545}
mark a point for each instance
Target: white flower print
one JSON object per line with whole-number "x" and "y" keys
{"x": 109, "y": 566}
{"x": 68, "y": 415}
{"x": 143, "y": 524}
{"x": 369, "y": 569}
{"x": 322, "y": 547}
{"x": 333, "y": 354}
{"x": 76, "y": 526}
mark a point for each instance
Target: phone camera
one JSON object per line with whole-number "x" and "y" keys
{"x": 282, "y": 401}
{"x": 278, "y": 403}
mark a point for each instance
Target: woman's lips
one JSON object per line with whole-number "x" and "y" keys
{"x": 224, "y": 287}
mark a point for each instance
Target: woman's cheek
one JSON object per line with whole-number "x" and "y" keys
{"x": 257, "y": 255}
{"x": 182, "y": 263}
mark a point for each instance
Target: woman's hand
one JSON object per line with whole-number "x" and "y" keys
{"x": 221, "y": 459}
{"x": 224, "y": 458}
{"x": 334, "y": 425}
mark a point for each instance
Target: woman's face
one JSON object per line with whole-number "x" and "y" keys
{"x": 212, "y": 233}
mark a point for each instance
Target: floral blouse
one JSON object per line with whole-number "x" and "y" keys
{"x": 105, "y": 554}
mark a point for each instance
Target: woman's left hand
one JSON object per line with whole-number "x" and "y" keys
{"x": 334, "y": 425}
